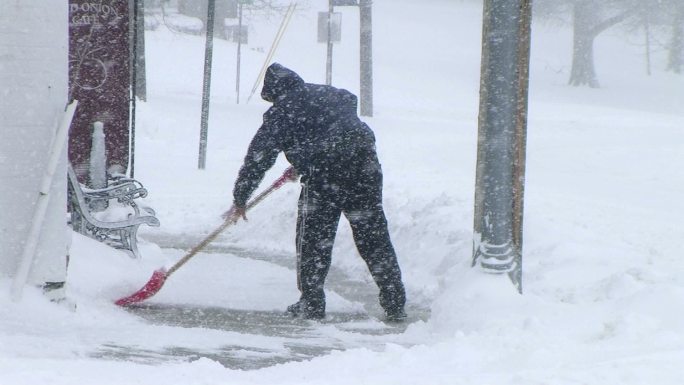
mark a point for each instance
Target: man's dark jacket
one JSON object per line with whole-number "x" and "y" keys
{"x": 316, "y": 126}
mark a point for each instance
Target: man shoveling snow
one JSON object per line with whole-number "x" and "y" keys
{"x": 321, "y": 135}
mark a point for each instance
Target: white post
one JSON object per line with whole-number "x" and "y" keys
{"x": 97, "y": 174}
{"x": 98, "y": 159}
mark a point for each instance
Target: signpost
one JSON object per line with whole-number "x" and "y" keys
{"x": 206, "y": 86}
{"x": 329, "y": 26}
{"x": 329, "y": 32}
{"x": 239, "y": 45}
{"x": 239, "y": 36}
{"x": 329, "y": 53}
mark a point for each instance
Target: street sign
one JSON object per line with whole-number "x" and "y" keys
{"x": 237, "y": 33}
{"x": 335, "y": 31}
{"x": 342, "y": 3}
{"x": 225, "y": 9}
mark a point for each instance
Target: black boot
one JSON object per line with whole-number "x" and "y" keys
{"x": 395, "y": 315}
{"x": 306, "y": 310}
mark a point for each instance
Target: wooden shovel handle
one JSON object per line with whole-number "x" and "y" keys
{"x": 290, "y": 175}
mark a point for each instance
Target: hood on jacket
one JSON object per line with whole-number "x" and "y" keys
{"x": 278, "y": 81}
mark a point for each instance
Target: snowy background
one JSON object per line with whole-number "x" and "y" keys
{"x": 603, "y": 270}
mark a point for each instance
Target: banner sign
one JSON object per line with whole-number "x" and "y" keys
{"x": 99, "y": 78}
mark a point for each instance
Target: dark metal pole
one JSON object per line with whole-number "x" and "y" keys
{"x": 501, "y": 138}
{"x": 134, "y": 89}
{"x": 366, "y": 57}
{"x": 141, "y": 79}
{"x": 328, "y": 61}
{"x": 239, "y": 45}
{"x": 206, "y": 86}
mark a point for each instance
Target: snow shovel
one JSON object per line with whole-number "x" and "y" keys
{"x": 160, "y": 276}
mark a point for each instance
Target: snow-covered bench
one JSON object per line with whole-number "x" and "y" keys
{"x": 116, "y": 225}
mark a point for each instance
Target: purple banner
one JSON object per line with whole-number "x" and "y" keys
{"x": 99, "y": 78}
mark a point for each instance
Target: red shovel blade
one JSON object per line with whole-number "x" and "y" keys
{"x": 151, "y": 288}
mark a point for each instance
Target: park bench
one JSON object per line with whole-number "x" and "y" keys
{"x": 117, "y": 224}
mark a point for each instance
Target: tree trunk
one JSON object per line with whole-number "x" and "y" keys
{"x": 677, "y": 41}
{"x": 647, "y": 37}
{"x": 586, "y": 28}
{"x": 583, "y": 71}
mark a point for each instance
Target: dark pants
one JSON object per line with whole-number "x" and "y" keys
{"x": 355, "y": 190}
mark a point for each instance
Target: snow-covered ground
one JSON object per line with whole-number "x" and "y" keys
{"x": 603, "y": 271}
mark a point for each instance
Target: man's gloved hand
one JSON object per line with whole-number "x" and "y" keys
{"x": 235, "y": 213}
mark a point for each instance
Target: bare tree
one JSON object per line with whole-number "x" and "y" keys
{"x": 589, "y": 18}
{"x": 588, "y": 23}
{"x": 676, "y": 46}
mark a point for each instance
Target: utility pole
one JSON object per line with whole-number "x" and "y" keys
{"x": 366, "y": 57}
{"x": 502, "y": 131}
